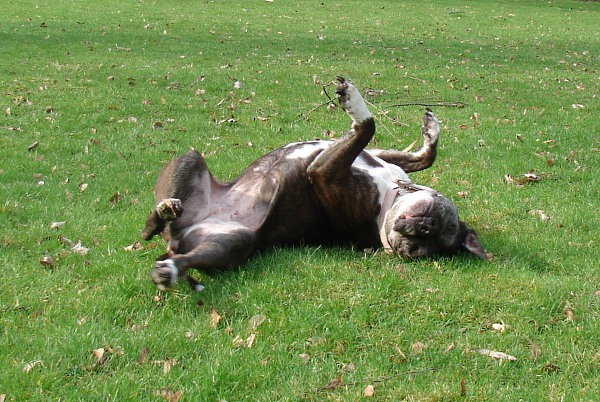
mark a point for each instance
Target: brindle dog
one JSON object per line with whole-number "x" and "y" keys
{"x": 317, "y": 192}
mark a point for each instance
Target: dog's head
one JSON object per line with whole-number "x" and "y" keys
{"x": 424, "y": 223}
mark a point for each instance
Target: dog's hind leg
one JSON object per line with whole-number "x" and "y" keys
{"x": 336, "y": 161}
{"x": 420, "y": 159}
{"x": 331, "y": 174}
{"x": 182, "y": 191}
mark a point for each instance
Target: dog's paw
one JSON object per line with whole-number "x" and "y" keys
{"x": 352, "y": 101}
{"x": 169, "y": 209}
{"x": 165, "y": 274}
{"x": 194, "y": 284}
{"x": 431, "y": 128}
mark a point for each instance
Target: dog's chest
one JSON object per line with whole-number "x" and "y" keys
{"x": 383, "y": 174}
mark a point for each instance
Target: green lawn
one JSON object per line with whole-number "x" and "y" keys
{"x": 97, "y": 96}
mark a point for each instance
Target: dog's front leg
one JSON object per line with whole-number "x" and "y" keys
{"x": 211, "y": 254}
{"x": 425, "y": 156}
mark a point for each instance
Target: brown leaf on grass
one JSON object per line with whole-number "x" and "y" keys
{"x": 529, "y": 177}
{"x": 168, "y": 365}
{"x": 597, "y": 292}
{"x": 80, "y": 249}
{"x": 215, "y": 317}
{"x": 238, "y": 342}
{"x": 398, "y": 357}
{"x": 475, "y": 118}
{"x": 134, "y": 247}
{"x": 115, "y": 199}
{"x": 568, "y": 310}
{"x": 369, "y": 391}
{"x": 418, "y": 347}
{"x": 47, "y": 261}
{"x": 31, "y": 365}
{"x": 535, "y": 349}
{"x": 33, "y": 146}
{"x": 250, "y": 340}
{"x": 255, "y": 322}
{"x": 143, "y": 355}
{"x": 463, "y": 387}
{"x": 57, "y": 225}
{"x": 498, "y": 327}
{"x": 333, "y": 384}
{"x": 542, "y": 214}
{"x": 169, "y": 395}
{"x": 99, "y": 355}
{"x": 496, "y": 355}
{"x": 550, "y": 368}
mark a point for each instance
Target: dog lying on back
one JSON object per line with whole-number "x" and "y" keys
{"x": 316, "y": 192}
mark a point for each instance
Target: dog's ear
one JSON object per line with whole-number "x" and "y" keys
{"x": 471, "y": 244}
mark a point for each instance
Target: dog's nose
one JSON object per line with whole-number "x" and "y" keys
{"x": 428, "y": 226}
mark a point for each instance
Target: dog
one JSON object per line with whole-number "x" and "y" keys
{"x": 312, "y": 192}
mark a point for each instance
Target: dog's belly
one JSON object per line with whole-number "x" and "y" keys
{"x": 274, "y": 195}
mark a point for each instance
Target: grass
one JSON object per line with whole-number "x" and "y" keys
{"x": 96, "y": 96}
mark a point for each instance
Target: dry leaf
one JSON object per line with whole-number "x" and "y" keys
{"x": 475, "y": 118}
{"x": 215, "y": 317}
{"x": 498, "y": 327}
{"x": 57, "y": 225}
{"x": 369, "y": 391}
{"x": 495, "y": 355}
{"x": 255, "y": 322}
{"x": 597, "y": 293}
{"x": 134, "y": 247}
{"x": 29, "y": 366}
{"x": 541, "y": 213}
{"x": 80, "y": 249}
{"x": 550, "y": 368}
{"x": 238, "y": 342}
{"x": 47, "y": 261}
{"x": 568, "y": 310}
{"x": 535, "y": 349}
{"x": 99, "y": 355}
{"x": 112, "y": 201}
{"x": 463, "y": 387}
{"x": 333, "y": 384}
{"x": 250, "y": 340}
{"x": 143, "y": 356}
{"x": 170, "y": 395}
{"x": 83, "y": 187}
{"x": 168, "y": 365}
{"x": 350, "y": 367}
{"x": 418, "y": 347}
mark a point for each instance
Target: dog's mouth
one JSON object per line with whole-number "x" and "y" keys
{"x": 423, "y": 223}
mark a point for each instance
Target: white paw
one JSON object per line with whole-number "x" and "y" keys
{"x": 352, "y": 101}
{"x": 165, "y": 274}
{"x": 169, "y": 209}
{"x": 431, "y": 127}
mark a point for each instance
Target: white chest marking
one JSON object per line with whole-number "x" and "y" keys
{"x": 305, "y": 149}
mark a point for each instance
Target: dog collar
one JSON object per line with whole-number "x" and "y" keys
{"x": 386, "y": 205}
